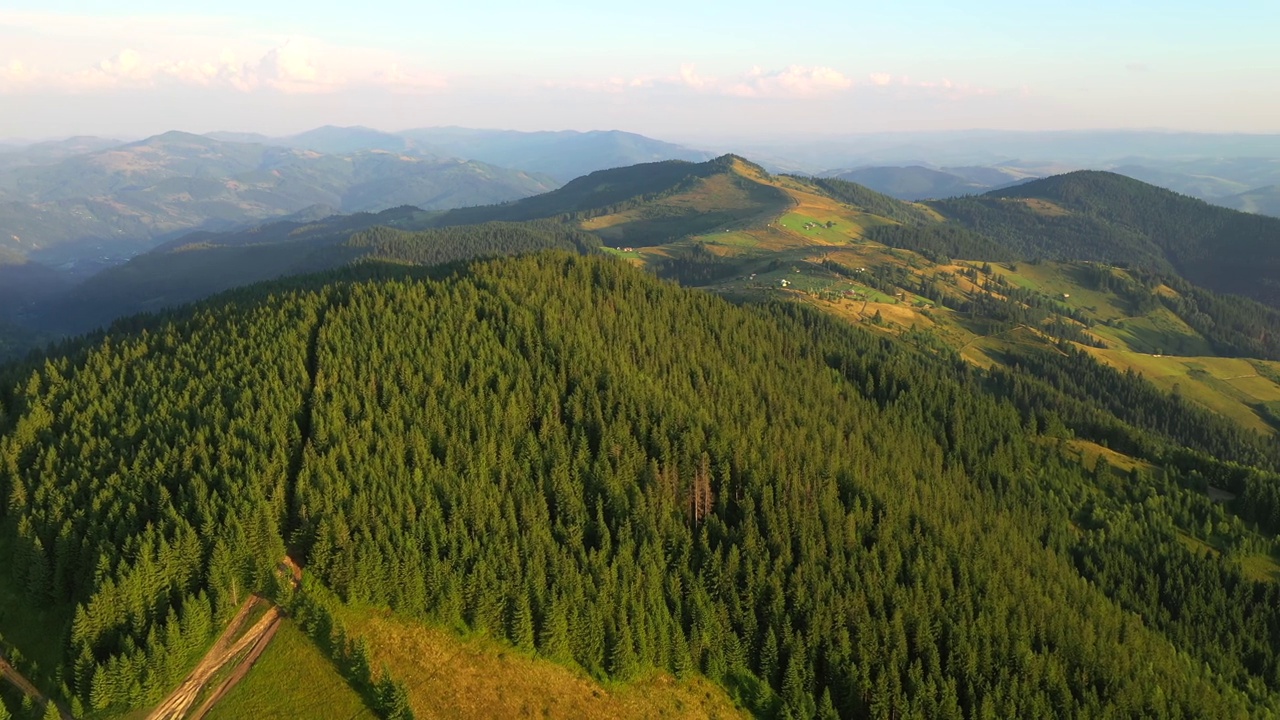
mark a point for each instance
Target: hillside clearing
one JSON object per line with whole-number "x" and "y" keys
{"x": 477, "y": 677}
{"x": 292, "y": 679}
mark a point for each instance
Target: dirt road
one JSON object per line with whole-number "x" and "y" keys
{"x": 238, "y": 674}
{"x": 8, "y": 672}
{"x": 176, "y": 706}
{"x": 255, "y": 640}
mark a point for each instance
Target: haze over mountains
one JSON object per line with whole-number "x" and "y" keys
{"x": 90, "y": 202}
{"x": 121, "y": 200}
{"x": 85, "y": 203}
{"x": 564, "y": 155}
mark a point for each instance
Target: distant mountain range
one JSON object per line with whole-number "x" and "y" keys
{"x": 200, "y": 264}
{"x": 84, "y": 203}
{"x": 564, "y": 155}
{"x": 1264, "y": 201}
{"x": 1247, "y": 184}
{"x": 1084, "y": 215}
{"x": 921, "y": 183}
{"x": 1082, "y": 148}
{"x": 92, "y": 208}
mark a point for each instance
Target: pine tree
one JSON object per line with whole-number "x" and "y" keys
{"x": 826, "y": 708}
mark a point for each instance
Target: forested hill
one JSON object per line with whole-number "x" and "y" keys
{"x": 1090, "y": 215}
{"x": 611, "y": 471}
{"x": 206, "y": 265}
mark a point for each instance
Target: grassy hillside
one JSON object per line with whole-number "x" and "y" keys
{"x": 479, "y": 677}
{"x": 448, "y": 675}
{"x": 292, "y": 679}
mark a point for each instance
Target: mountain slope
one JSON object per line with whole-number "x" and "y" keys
{"x": 1090, "y": 215}
{"x": 663, "y": 198}
{"x": 617, "y": 473}
{"x": 198, "y": 266}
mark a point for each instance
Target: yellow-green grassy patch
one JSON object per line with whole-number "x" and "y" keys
{"x": 1229, "y": 386}
{"x": 292, "y": 679}
{"x": 1089, "y": 452}
{"x": 1159, "y": 332}
{"x": 1042, "y": 207}
{"x": 1262, "y": 568}
{"x": 476, "y": 677}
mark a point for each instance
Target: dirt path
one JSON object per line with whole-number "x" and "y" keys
{"x": 255, "y": 640}
{"x": 8, "y": 672}
{"x": 223, "y": 651}
{"x": 238, "y": 674}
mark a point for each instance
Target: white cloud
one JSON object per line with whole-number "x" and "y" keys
{"x": 396, "y": 77}
{"x": 791, "y": 82}
{"x": 689, "y": 76}
{"x": 944, "y": 87}
{"x": 294, "y": 67}
{"x": 55, "y": 53}
{"x": 795, "y": 81}
{"x": 15, "y": 74}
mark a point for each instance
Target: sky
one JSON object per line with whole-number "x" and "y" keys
{"x": 689, "y": 70}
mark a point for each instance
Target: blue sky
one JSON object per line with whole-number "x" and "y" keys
{"x": 683, "y": 70}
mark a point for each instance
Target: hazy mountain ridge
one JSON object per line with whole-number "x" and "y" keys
{"x": 913, "y": 182}
{"x": 53, "y": 150}
{"x": 1263, "y": 200}
{"x": 1077, "y": 148}
{"x": 201, "y": 263}
{"x": 123, "y": 198}
{"x": 660, "y": 202}
{"x": 563, "y": 154}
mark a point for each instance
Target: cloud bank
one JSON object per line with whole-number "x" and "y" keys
{"x": 295, "y": 65}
